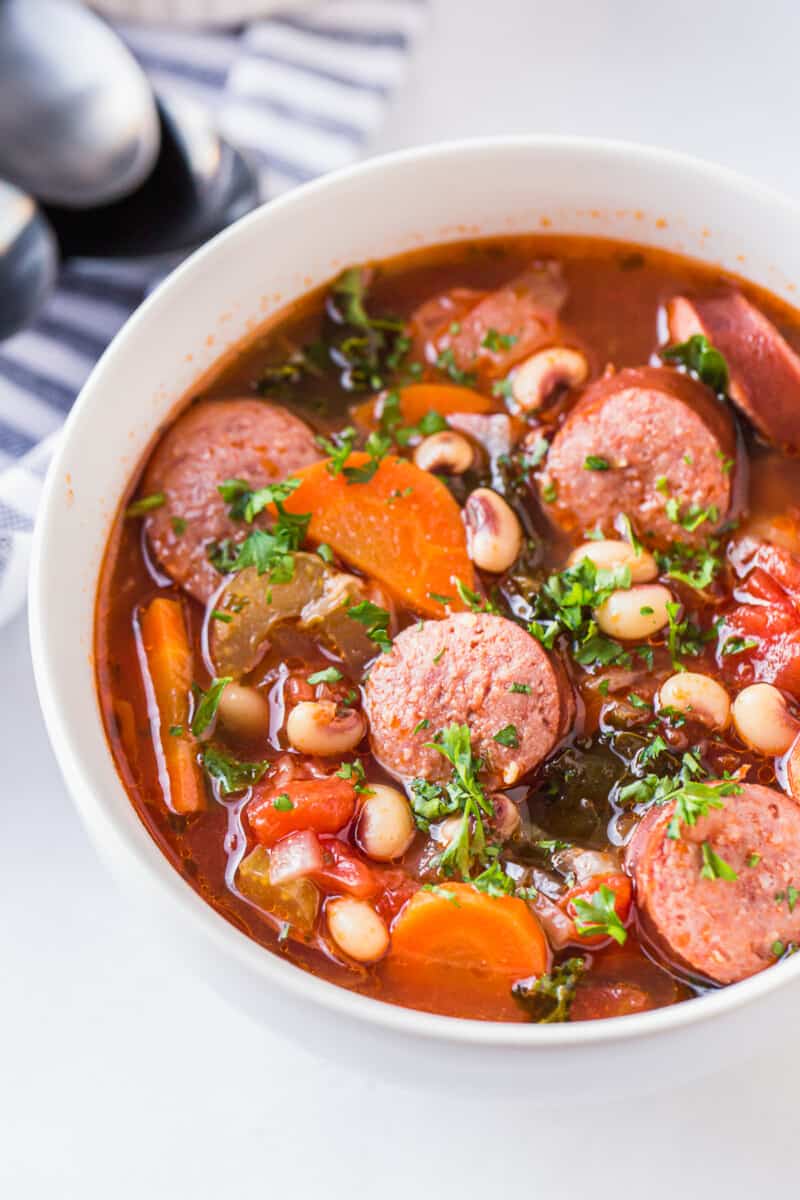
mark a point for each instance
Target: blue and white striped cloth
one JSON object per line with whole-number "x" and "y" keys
{"x": 301, "y": 93}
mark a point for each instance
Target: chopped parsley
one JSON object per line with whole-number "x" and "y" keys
{"x": 507, "y": 736}
{"x": 231, "y": 774}
{"x": 338, "y": 447}
{"x": 598, "y": 916}
{"x": 354, "y": 773}
{"x": 715, "y": 867}
{"x": 329, "y": 675}
{"x": 473, "y": 601}
{"x": 244, "y": 504}
{"x": 461, "y": 794}
{"x": 494, "y": 341}
{"x": 179, "y": 526}
{"x": 696, "y": 566}
{"x": 702, "y": 360}
{"x": 207, "y": 704}
{"x": 283, "y": 802}
{"x": 548, "y": 998}
{"x": 565, "y": 604}
{"x": 375, "y": 620}
{"x": 684, "y": 637}
{"x": 537, "y": 454}
{"x": 446, "y": 362}
{"x": 594, "y": 462}
{"x": 521, "y": 689}
{"x": 737, "y": 645}
{"x": 140, "y": 508}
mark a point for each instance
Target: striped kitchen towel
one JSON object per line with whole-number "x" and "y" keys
{"x": 300, "y": 92}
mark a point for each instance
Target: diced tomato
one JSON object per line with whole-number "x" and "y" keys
{"x": 618, "y": 883}
{"x": 344, "y": 871}
{"x": 397, "y": 889}
{"x": 772, "y": 623}
{"x": 595, "y": 1001}
{"x": 324, "y": 805}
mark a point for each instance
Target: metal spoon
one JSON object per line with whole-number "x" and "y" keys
{"x": 78, "y": 123}
{"x": 28, "y": 259}
{"x": 199, "y": 185}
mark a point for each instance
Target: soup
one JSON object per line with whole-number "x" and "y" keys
{"x": 448, "y": 641}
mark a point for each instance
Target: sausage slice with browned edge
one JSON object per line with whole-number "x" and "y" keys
{"x": 764, "y": 369}
{"x": 462, "y": 670}
{"x": 213, "y": 441}
{"x": 487, "y": 332}
{"x": 721, "y": 929}
{"x": 649, "y": 442}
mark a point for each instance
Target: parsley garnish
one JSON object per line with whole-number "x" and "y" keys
{"x": 594, "y": 462}
{"x": 507, "y": 736}
{"x": 522, "y": 689}
{"x": 146, "y": 504}
{"x": 737, "y": 645}
{"x": 329, "y": 675}
{"x": 715, "y": 867}
{"x": 548, "y": 998}
{"x": 494, "y": 341}
{"x": 231, "y": 774}
{"x": 244, "y": 504}
{"x": 376, "y": 622}
{"x": 598, "y": 915}
{"x": 446, "y": 362}
{"x": 283, "y": 803}
{"x": 339, "y": 447}
{"x": 208, "y": 703}
{"x": 565, "y": 604}
{"x": 702, "y": 360}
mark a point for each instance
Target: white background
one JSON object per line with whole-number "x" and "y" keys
{"x": 122, "y": 1076}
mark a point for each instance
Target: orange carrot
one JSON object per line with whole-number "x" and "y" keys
{"x": 402, "y": 528}
{"x": 420, "y": 398}
{"x": 169, "y": 665}
{"x": 459, "y": 950}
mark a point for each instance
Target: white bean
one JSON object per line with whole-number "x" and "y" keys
{"x": 762, "y": 720}
{"x": 357, "y": 929}
{"x": 537, "y": 377}
{"x": 243, "y": 711}
{"x": 446, "y": 451}
{"x": 449, "y": 829}
{"x": 313, "y": 727}
{"x": 385, "y": 827}
{"x": 494, "y": 534}
{"x": 609, "y": 554}
{"x": 636, "y": 612}
{"x": 698, "y": 696}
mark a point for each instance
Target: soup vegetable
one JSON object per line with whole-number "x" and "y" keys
{"x": 448, "y": 643}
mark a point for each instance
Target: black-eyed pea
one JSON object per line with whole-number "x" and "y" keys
{"x": 698, "y": 697}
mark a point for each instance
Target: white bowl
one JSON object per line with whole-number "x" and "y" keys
{"x": 227, "y": 289}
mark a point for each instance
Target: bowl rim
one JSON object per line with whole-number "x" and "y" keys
{"x": 148, "y": 864}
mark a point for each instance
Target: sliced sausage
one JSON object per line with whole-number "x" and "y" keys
{"x": 213, "y": 441}
{"x": 721, "y": 929}
{"x": 488, "y": 333}
{"x": 764, "y": 369}
{"x": 663, "y": 436}
{"x": 461, "y": 671}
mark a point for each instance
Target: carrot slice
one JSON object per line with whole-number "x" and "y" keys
{"x": 420, "y": 398}
{"x": 169, "y": 665}
{"x": 458, "y": 951}
{"x": 402, "y": 528}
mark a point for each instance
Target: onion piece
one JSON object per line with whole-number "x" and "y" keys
{"x": 295, "y": 856}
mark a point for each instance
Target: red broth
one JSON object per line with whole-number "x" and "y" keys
{"x": 454, "y": 951}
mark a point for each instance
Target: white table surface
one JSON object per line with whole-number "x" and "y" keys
{"x": 120, "y": 1074}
